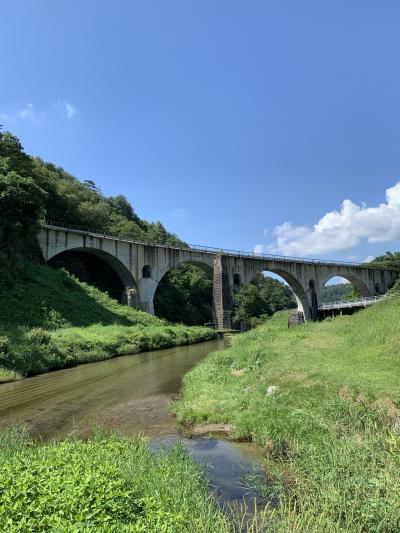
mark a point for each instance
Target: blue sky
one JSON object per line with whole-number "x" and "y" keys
{"x": 234, "y": 123}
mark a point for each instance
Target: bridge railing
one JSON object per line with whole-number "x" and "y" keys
{"x": 360, "y": 302}
{"x": 51, "y": 224}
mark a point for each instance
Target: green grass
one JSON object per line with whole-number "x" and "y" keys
{"x": 331, "y": 430}
{"x": 49, "y": 320}
{"x": 104, "y": 484}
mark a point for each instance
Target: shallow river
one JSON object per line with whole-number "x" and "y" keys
{"x": 129, "y": 394}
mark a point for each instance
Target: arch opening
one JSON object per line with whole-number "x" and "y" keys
{"x": 338, "y": 288}
{"x": 185, "y": 294}
{"x": 146, "y": 271}
{"x": 267, "y": 293}
{"x": 101, "y": 270}
{"x": 237, "y": 281}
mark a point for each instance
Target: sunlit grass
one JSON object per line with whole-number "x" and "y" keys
{"x": 330, "y": 431}
{"x": 105, "y": 484}
{"x": 49, "y": 320}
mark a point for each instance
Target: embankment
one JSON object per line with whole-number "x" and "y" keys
{"x": 323, "y": 400}
{"x": 50, "y": 320}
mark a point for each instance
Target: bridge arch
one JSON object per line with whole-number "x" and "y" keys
{"x": 299, "y": 292}
{"x": 168, "y": 294}
{"x": 123, "y": 286}
{"x": 357, "y": 282}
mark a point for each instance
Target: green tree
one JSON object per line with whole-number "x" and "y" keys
{"x": 389, "y": 259}
{"x": 185, "y": 295}
{"x": 21, "y": 205}
{"x": 337, "y": 291}
{"x": 259, "y": 299}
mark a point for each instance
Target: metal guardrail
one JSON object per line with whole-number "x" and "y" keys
{"x": 50, "y": 224}
{"x": 343, "y": 304}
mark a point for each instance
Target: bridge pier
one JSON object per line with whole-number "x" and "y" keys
{"x": 147, "y": 290}
{"x": 131, "y": 297}
{"x": 222, "y": 294}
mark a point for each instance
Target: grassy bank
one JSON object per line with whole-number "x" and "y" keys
{"x": 330, "y": 428}
{"x": 111, "y": 484}
{"x": 49, "y": 320}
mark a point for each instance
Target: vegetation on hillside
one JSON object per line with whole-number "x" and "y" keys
{"x": 185, "y": 295}
{"x": 255, "y": 301}
{"x": 21, "y": 207}
{"x": 111, "y": 484}
{"x": 322, "y": 399}
{"x": 338, "y": 291}
{"x": 32, "y": 190}
{"x": 389, "y": 259}
{"x": 49, "y": 319}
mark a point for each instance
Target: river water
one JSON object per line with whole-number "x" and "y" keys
{"x": 130, "y": 394}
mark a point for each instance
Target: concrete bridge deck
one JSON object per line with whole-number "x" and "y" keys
{"x": 141, "y": 266}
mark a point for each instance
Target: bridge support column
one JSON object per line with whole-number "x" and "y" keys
{"x": 148, "y": 307}
{"x": 222, "y": 295}
{"x": 131, "y": 297}
{"x": 147, "y": 289}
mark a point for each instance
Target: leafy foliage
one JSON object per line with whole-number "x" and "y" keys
{"x": 83, "y": 204}
{"x": 111, "y": 484}
{"x": 389, "y": 259}
{"x": 259, "y": 299}
{"x": 185, "y": 295}
{"x": 22, "y": 203}
{"x": 339, "y": 291}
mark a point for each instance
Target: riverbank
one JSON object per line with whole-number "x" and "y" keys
{"x": 131, "y": 396}
{"x": 102, "y": 484}
{"x": 322, "y": 400}
{"x": 51, "y": 320}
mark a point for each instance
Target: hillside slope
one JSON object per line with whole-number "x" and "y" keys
{"x": 330, "y": 427}
{"x": 49, "y": 319}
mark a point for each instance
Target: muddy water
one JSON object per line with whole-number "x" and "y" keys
{"x": 128, "y": 394}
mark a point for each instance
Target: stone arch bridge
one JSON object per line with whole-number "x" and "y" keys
{"x": 141, "y": 267}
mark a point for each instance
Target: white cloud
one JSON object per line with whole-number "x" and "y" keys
{"x": 179, "y": 212}
{"x": 69, "y": 109}
{"x": 30, "y": 113}
{"x": 369, "y": 259}
{"x": 66, "y": 107}
{"x": 7, "y": 118}
{"x": 341, "y": 230}
{"x": 27, "y": 112}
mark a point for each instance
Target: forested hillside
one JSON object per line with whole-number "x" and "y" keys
{"x": 260, "y": 299}
{"x": 48, "y": 318}
{"x": 337, "y": 291}
{"x": 33, "y": 190}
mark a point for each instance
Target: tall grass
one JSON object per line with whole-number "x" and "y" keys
{"x": 105, "y": 484}
{"x": 330, "y": 427}
{"x": 49, "y": 319}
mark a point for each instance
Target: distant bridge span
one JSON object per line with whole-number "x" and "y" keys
{"x": 141, "y": 267}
